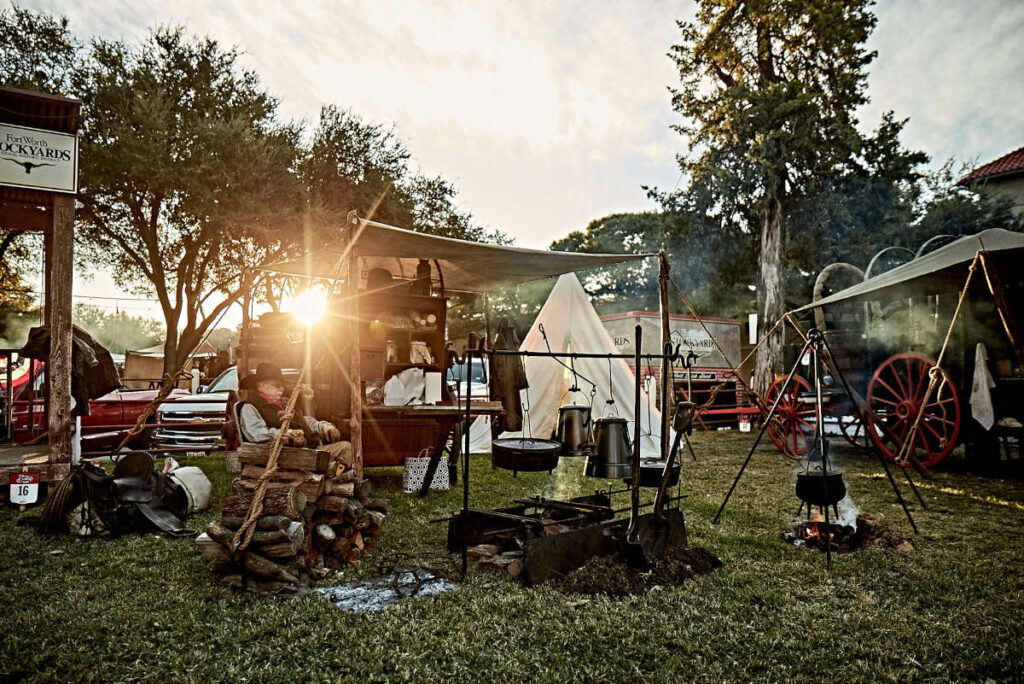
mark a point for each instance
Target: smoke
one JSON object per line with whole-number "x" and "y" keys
{"x": 14, "y": 327}
{"x": 847, "y": 513}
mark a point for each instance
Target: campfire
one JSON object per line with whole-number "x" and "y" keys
{"x": 866, "y": 533}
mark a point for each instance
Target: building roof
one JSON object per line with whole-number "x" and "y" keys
{"x": 1008, "y": 164}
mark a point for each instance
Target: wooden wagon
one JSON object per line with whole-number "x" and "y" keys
{"x": 888, "y": 332}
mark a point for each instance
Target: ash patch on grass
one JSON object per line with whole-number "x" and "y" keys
{"x": 873, "y": 533}
{"x": 611, "y": 576}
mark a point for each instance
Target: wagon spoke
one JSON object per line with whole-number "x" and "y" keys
{"x": 933, "y": 430}
{"x": 895, "y": 372}
{"x": 894, "y": 393}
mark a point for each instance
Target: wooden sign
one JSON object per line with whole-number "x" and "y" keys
{"x": 38, "y": 159}
{"x": 24, "y": 488}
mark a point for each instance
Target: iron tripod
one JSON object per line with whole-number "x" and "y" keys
{"x": 815, "y": 343}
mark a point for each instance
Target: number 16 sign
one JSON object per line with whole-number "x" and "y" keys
{"x": 24, "y": 488}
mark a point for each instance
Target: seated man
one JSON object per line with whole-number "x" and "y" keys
{"x": 260, "y": 417}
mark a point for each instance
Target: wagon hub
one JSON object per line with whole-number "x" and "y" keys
{"x": 906, "y": 409}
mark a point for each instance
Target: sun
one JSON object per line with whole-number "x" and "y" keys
{"x": 309, "y": 306}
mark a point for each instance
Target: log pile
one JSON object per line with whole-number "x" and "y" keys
{"x": 314, "y": 520}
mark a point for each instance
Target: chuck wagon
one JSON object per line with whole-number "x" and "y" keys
{"x": 888, "y": 332}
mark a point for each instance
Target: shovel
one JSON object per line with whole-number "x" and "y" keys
{"x": 632, "y": 550}
{"x": 682, "y": 421}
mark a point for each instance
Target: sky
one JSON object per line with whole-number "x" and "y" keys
{"x": 548, "y": 115}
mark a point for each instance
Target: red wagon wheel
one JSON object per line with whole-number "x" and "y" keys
{"x": 795, "y": 417}
{"x": 852, "y": 427}
{"x": 895, "y": 394}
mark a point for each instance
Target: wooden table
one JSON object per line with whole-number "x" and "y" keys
{"x": 392, "y": 433}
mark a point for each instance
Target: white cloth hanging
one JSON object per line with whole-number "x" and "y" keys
{"x": 981, "y": 389}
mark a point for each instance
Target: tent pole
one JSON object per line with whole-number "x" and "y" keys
{"x": 487, "y": 317}
{"x": 667, "y": 384}
{"x": 355, "y": 381}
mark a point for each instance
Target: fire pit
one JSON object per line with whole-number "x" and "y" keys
{"x": 538, "y": 538}
{"x": 866, "y": 533}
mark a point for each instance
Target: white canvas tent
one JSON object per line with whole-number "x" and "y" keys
{"x": 572, "y": 324}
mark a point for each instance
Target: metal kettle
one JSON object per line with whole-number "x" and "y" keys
{"x": 613, "y": 451}
{"x": 574, "y": 430}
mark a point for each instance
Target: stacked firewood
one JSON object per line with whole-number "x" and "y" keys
{"x": 314, "y": 519}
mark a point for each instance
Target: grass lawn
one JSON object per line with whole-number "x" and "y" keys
{"x": 144, "y": 607}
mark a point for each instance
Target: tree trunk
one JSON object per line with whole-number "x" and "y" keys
{"x": 770, "y": 295}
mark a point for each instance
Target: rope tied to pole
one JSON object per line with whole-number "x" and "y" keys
{"x": 935, "y": 372}
{"x": 749, "y": 392}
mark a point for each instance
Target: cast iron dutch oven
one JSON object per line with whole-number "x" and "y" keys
{"x": 526, "y": 454}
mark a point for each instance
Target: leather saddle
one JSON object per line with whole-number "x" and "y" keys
{"x": 156, "y": 497}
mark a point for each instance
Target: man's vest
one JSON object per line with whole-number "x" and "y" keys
{"x": 271, "y": 414}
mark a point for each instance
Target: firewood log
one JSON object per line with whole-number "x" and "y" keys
{"x": 208, "y": 548}
{"x": 328, "y": 517}
{"x": 356, "y": 540}
{"x": 324, "y": 535}
{"x": 352, "y": 555}
{"x": 346, "y": 490}
{"x": 220, "y": 535}
{"x": 279, "y": 551}
{"x": 382, "y": 505}
{"x": 310, "y": 483}
{"x": 264, "y": 567}
{"x": 376, "y": 518}
{"x": 290, "y": 458}
{"x": 362, "y": 523}
{"x": 364, "y": 490}
{"x": 331, "y": 503}
{"x": 287, "y": 501}
{"x": 311, "y": 488}
{"x": 354, "y": 511}
{"x": 340, "y": 546}
{"x": 266, "y": 522}
{"x": 344, "y": 478}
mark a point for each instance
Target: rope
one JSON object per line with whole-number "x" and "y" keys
{"x": 248, "y": 527}
{"x": 734, "y": 372}
{"x": 935, "y": 372}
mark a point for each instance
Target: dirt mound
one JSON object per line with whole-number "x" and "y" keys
{"x": 873, "y": 533}
{"x": 611, "y": 576}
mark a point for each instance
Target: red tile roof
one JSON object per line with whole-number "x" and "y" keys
{"x": 1008, "y": 163}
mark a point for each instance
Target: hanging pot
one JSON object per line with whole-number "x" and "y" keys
{"x": 613, "y": 452}
{"x": 574, "y": 430}
{"x": 817, "y": 489}
{"x": 525, "y": 454}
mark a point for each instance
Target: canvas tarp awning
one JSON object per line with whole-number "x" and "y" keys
{"x": 465, "y": 266}
{"x": 943, "y": 269}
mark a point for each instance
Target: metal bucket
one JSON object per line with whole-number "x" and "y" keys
{"x": 574, "y": 430}
{"x": 613, "y": 452}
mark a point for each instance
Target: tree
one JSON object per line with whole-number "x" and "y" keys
{"x": 37, "y": 51}
{"x": 768, "y": 90}
{"x": 187, "y": 177}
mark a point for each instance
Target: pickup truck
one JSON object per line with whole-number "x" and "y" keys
{"x": 208, "y": 406}
{"x": 110, "y": 416}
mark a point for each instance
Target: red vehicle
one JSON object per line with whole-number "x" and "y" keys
{"x": 110, "y": 416}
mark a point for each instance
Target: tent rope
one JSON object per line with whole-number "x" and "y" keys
{"x": 749, "y": 392}
{"x": 935, "y": 372}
